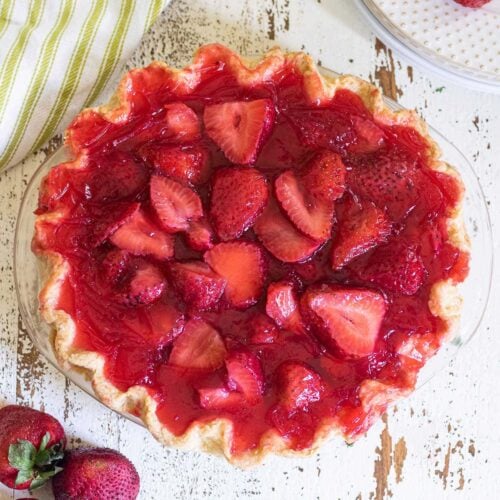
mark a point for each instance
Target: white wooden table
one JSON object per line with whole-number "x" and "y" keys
{"x": 443, "y": 442}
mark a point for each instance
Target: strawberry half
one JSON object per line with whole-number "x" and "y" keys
{"x": 186, "y": 164}
{"x": 200, "y": 235}
{"x": 244, "y": 374}
{"x": 145, "y": 286}
{"x": 281, "y": 238}
{"x": 241, "y": 264}
{"x": 239, "y": 128}
{"x": 299, "y": 385}
{"x": 197, "y": 284}
{"x": 282, "y": 306}
{"x": 199, "y": 346}
{"x": 347, "y": 318}
{"x": 140, "y": 236}
{"x": 361, "y": 227}
{"x": 175, "y": 205}
{"x": 239, "y": 194}
{"x": 182, "y": 123}
{"x": 396, "y": 266}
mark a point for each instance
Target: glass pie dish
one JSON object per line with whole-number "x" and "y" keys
{"x": 475, "y": 290}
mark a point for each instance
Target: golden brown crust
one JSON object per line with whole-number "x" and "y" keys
{"x": 215, "y": 436}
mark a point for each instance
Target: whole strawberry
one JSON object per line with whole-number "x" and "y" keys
{"x": 31, "y": 445}
{"x": 96, "y": 474}
{"x": 475, "y": 4}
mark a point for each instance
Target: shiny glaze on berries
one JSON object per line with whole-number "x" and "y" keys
{"x": 386, "y": 166}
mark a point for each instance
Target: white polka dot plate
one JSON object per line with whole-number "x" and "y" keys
{"x": 458, "y": 43}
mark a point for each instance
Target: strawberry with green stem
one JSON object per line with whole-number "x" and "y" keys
{"x": 31, "y": 447}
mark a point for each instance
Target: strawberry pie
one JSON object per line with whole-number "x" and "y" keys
{"x": 248, "y": 255}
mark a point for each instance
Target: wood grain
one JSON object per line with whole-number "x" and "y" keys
{"x": 441, "y": 443}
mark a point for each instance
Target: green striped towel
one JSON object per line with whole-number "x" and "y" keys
{"x": 56, "y": 56}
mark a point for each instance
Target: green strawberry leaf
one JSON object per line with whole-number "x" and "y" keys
{"x": 42, "y": 458}
{"x": 45, "y": 442}
{"x": 37, "y": 483}
{"x": 42, "y": 477}
{"x": 23, "y": 476}
{"x": 22, "y": 455}
{"x": 35, "y": 466}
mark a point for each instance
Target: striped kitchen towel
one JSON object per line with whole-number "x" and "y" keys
{"x": 56, "y": 56}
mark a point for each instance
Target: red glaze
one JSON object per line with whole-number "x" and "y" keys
{"x": 137, "y": 353}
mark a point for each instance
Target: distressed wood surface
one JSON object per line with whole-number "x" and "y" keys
{"x": 444, "y": 441}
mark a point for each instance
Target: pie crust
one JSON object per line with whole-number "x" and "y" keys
{"x": 216, "y": 436}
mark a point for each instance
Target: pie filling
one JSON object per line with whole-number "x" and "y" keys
{"x": 245, "y": 254}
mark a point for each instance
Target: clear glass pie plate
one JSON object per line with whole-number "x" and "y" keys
{"x": 475, "y": 289}
{"x": 440, "y": 36}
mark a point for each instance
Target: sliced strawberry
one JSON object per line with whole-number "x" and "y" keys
{"x": 176, "y": 205}
{"x": 197, "y": 284}
{"x": 310, "y": 271}
{"x": 299, "y": 385}
{"x": 322, "y": 128}
{"x": 114, "y": 265}
{"x": 396, "y": 266}
{"x": 239, "y": 195}
{"x": 347, "y": 318}
{"x": 244, "y": 374}
{"x": 158, "y": 324}
{"x": 307, "y": 197}
{"x": 313, "y": 219}
{"x": 282, "y": 306}
{"x": 263, "y": 330}
{"x": 182, "y": 123}
{"x": 361, "y": 227}
{"x": 199, "y": 346}
{"x": 281, "y": 238}
{"x": 242, "y": 266}
{"x": 239, "y": 128}
{"x": 186, "y": 164}
{"x": 341, "y": 125}
{"x": 220, "y": 398}
{"x": 388, "y": 178}
{"x": 200, "y": 236}
{"x": 145, "y": 286}
{"x": 107, "y": 219}
{"x": 177, "y": 123}
{"x": 324, "y": 177}
{"x": 140, "y": 236}
{"x": 370, "y": 136}
{"x": 112, "y": 178}
{"x": 166, "y": 322}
